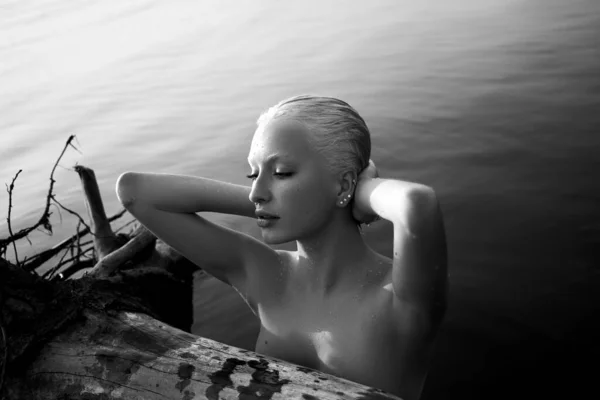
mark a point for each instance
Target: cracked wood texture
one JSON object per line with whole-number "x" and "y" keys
{"x": 126, "y": 355}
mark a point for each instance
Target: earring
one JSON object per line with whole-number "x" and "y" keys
{"x": 346, "y": 199}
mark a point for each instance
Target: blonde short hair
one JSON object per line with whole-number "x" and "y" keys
{"x": 337, "y": 130}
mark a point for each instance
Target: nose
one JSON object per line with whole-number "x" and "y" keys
{"x": 260, "y": 193}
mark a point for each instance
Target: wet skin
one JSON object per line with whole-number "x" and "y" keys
{"x": 352, "y": 332}
{"x": 330, "y": 305}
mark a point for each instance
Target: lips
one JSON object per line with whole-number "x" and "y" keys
{"x": 261, "y": 214}
{"x": 265, "y": 219}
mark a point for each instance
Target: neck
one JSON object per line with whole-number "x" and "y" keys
{"x": 334, "y": 256}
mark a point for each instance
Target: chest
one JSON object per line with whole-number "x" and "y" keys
{"x": 353, "y": 329}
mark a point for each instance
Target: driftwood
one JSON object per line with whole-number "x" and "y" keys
{"x": 122, "y": 330}
{"x": 105, "y": 241}
{"x": 132, "y": 356}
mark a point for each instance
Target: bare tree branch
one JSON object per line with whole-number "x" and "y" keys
{"x": 105, "y": 240}
{"x": 73, "y": 269}
{"x": 126, "y": 225}
{"x": 142, "y": 239}
{"x": 73, "y": 260}
{"x": 40, "y": 258}
{"x": 59, "y": 262}
{"x": 10, "y": 191}
{"x": 45, "y": 218}
{"x": 73, "y": 213}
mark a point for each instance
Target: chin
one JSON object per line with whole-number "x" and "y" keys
{"x": 277, "y": 236}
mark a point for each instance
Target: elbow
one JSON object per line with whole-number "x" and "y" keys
{"x": 125, "y": 188}
{"x": 420, "y": 210}
{"x": 423, "y": 200}
{"x": 422, "y": 194}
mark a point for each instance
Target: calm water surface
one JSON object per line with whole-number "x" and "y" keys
{"x": 495, "y": 104}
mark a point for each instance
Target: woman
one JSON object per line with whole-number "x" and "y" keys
{"x": 334, "y": 304}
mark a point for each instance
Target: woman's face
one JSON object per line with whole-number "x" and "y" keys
{"x": 291, "y": 181}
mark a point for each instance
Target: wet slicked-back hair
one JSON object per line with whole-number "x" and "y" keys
{"x": 338, "y": 132}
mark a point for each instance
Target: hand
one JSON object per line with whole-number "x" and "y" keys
{"x": 360, "y": 211}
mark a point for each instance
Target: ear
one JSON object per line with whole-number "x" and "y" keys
{"x": 346, "y": 185}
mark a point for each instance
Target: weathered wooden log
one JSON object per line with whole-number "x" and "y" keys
{"x": 34, "y": 309}
{"x": 132, "y": 356}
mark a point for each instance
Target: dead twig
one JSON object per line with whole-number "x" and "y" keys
{"x": 78, "y": 244}
{"x": 126, "y": 225}
{"x": 44, "y": 220}
{"x": 81, "y": 221}
{"x": 59, "y": 262}
{"x": 73, "y": 260}
{"x": 73, "y": 269}
{"x": 9, "y": 189}
{"x": 40, "y": 258}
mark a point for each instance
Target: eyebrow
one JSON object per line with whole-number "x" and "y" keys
{"x": 271, "y": 158}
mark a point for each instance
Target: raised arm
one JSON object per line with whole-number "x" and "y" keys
{"x": 167, "y": 205}
{"x": 419, "y": 276}
{"x": 184, "y": 193}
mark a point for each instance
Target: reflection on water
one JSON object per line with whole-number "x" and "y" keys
{"x": 493, "y": 103}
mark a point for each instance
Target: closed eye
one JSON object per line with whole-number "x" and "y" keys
{"x": 277, "y": 174}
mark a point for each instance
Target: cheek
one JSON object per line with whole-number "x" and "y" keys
{"x": 309, "y": 201}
